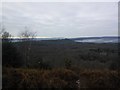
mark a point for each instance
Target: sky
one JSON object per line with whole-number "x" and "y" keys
{"x": 61, "y": 19}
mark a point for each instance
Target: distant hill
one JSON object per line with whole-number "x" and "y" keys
{"x": 110, "y": 39}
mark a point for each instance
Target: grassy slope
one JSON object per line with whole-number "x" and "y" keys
{"x": 60, "y": 78}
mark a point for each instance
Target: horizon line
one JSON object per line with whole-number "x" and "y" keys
{"x": 14, "y": 37}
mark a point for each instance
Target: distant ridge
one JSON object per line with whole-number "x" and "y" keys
{"x": 105, "y": 39}
{"x": 79, "y": 38}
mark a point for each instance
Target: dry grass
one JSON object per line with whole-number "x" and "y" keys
{"x": 59, "y": 78}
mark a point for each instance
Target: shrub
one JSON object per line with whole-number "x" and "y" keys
{"x": 38, "y": 78}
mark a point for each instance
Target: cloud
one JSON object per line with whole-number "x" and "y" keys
{"x": 62, "y": 19}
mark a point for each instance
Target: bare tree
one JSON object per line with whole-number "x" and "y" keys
{"x": 2, "y": 30}
{"x": 27, "y": 36}
{"x": 4, "y": 34}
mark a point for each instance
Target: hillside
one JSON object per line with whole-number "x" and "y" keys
{"x": 59, "y": 64}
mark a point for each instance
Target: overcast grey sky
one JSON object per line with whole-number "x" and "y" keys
{"x": 54, "y": 19}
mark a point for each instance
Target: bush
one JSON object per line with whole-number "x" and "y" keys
{"x": 101, "y": 79}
